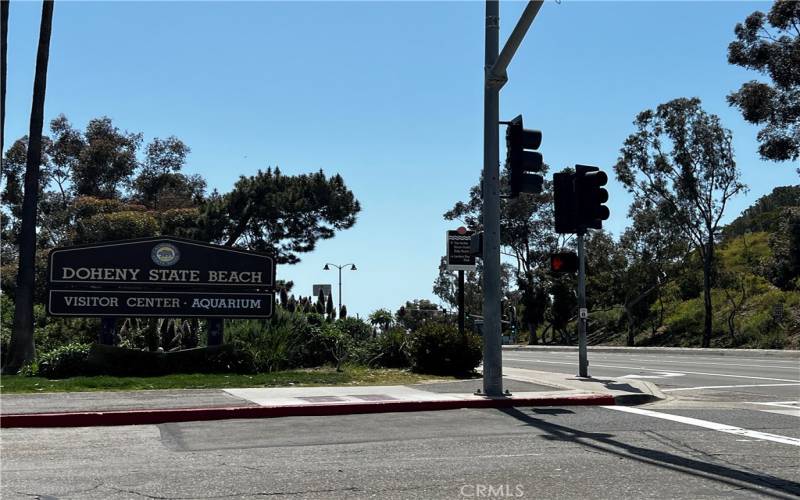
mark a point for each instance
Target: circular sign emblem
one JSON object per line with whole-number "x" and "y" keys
{"x": 165, "y": 254}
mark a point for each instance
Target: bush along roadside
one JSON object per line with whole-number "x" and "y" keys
{"x": 290, "y": 340}
{"x": 66, "y": 361}
{"x": 438, "y": 348}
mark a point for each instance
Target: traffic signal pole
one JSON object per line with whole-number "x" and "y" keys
{"x": 492, "y": 355}
{"x": 583, "y": 358}
{"x": 495, "y": 65}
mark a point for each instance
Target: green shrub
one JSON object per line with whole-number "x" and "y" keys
{"x": 358, "y": 329}
{"x": 6, "y": 323}
{"x": 287, "y": 340}
{"x": 178, "y": 221}
{"x": 270, "y": 344}
{"x": 116, "y": 226}
{"x": 365, "y": 353}
{"x": 393, "y": 349}
{"x": 51, "y": 333}
{"x": 438, "y": 348}
{"x": 228, "y": 360}
{"x": 124, "y": 362}
{"x": 66, "y": 361}
{"x": 29, "y": 370}
{"x": 338, "y": 343}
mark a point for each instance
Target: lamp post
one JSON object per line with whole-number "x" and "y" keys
{"x": 352, "y": 268}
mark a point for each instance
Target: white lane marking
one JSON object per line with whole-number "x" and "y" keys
{"x": 726, "y": 387}
{"x": 660, "y": 375}
{"x": 652, "y": 370}
{"x": 793, "y": 368}
{"x": 730, "y": 429}
{"x": 792, "y": 363}
{"x": 794, "y": 405}
{"x": 791, "y": 413}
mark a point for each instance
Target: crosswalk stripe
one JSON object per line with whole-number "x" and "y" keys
{"x": 709, "y": 425}
{"x": 726, "y": 387}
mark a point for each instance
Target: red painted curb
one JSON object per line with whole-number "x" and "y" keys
{"x": 160, "y": 416}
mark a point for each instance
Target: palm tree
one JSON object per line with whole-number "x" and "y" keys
{"x": 22, "y": 350}
{"x": 382, "y": 318}
{"x": 3, "y": 71}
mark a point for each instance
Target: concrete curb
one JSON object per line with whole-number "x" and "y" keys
{"x": 160, "y": 416}
{"x": 662, "y": 350}
{"x": 636, "y": 399}
{"x": 638, "y": 391}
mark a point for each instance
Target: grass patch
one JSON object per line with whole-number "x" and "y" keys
{"x": 350, "y": 375}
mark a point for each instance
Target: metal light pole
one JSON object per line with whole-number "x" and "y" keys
{"x": 495, "y": 77}
{"x": 352, "y": 268}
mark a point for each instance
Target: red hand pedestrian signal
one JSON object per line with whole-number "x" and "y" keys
{"x": 564, "y": 262}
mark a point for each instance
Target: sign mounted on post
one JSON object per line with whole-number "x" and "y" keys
{"x": 459, "y": 257}
{"x": 160, "y": 261}
{"x": 160, "y": 277}
{"x": 326, "y": 290}
{"x": 108, "y": 303}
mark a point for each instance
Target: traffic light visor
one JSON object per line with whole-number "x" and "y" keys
{"x": 596, "y": 178}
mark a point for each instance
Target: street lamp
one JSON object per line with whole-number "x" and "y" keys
{"x": 352, "y": 268}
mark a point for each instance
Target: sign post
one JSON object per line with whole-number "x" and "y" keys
{"x": 108, "y": 331}
{"x": 461, "y": 303}
{"x": 216, "y": 331}
{"x": 460, "y": 258}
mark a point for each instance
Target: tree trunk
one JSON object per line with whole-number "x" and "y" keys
{"x": 708, "y": 261}
{"x": 22, "y": 349}
{"x": 532, "y": 339}
{"x": 631, "y": 329}
{"x": 3, "y": 71}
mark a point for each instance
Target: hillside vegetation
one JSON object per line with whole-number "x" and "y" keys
{"x": 756, "y": 292}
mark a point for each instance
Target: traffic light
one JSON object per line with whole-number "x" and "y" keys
{"x": 590, "y": 196}
{"x": 564, "y": 262}
{"x": 564, "y": 203}
{"x": 522, "y": 163}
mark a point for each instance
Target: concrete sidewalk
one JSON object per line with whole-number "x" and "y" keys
{"x": 527, "y": 388}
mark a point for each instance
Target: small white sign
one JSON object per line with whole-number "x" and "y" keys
{"x": 583, "y": 313}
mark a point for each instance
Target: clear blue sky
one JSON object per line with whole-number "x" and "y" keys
{"x": 387, "y": 94}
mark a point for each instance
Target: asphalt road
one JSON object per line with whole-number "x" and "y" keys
{"x": 579, "y": 452}
{"x": 706, "y": 378}
{"x": 701, "y": 443}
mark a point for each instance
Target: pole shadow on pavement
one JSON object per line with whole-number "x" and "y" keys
{"x": 777, "y": 487}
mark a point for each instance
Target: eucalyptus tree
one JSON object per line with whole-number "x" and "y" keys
{"x": 680, "y": 159}
{"x": 107, "y": 161}
{"x": 770, "y": 44}
{"x": 654, "y": 251}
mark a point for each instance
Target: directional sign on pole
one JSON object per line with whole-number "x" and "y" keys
{"x": 459, "y": 257}
{"x": 326, "y": 290}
